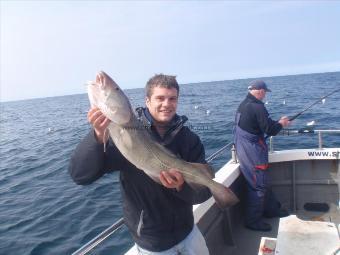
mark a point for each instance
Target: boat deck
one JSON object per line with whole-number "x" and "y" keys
{"x": 234, "y": 238}
{"x": 245, "y": 239}
{"x": 306, "y": 188}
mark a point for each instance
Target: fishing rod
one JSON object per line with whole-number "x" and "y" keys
{"x": 307, "y": 130}
{"x": 314, "y": 103}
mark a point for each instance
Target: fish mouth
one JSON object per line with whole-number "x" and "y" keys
{"x": 91, "y": 84}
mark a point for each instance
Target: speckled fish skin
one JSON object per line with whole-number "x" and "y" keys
{"x": 137, "y": 145}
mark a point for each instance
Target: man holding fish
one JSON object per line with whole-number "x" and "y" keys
{"x": 152, "y": 151}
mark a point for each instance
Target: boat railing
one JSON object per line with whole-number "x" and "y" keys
{"x": 304, "y": 131}
{"x": 89, "y": 246}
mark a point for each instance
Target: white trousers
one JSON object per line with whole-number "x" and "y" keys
{"x": 193, "y": 244}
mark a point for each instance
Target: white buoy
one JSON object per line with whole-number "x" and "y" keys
{"x": 208, "y": 112}
{"x": 312, "y": 123}
{"x": 284, "y": 101}
{"x": 323, "y": 100}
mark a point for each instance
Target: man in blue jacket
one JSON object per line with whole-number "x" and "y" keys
{"x": 159, "y": 217}
{"x": 252, "y": 122}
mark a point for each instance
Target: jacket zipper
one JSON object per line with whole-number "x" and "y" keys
{"x": 140, "y": 223}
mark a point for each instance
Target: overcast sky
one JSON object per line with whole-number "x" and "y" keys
{"x": 51, "y": 48}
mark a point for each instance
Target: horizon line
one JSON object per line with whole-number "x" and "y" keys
{"x": 190, "y": 83}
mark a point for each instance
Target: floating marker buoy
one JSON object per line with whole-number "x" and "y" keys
{"x": 312, "y": 123}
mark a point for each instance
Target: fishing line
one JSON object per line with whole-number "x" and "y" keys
{"x": 314, "y": 103}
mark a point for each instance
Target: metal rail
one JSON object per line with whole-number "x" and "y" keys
{"x": 99, "y": 238}
{"x": 217, "y": 153}
{"x": 118, "y": 224}
{"x": 287, "y": 132}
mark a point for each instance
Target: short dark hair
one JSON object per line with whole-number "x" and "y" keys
{"x": 161, "y": 80}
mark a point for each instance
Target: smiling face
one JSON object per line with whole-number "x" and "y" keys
{"x": 162, "y": 104}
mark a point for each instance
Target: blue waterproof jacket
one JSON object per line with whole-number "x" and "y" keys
{"x": 158, "y": 218}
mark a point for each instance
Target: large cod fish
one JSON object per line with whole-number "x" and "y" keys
{"x": 137, "y": 145}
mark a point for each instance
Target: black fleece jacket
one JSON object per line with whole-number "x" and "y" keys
{"x": 255, "y": 118}
{"x": 157, "y": 217}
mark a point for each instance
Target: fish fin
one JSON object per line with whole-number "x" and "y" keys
{"x": 105, "y": 138}
{"x": 223, "y": 196}
{"x": 155, "y": 179}
{"x": 126, "y": 138}
{"x": 92, "y": 93}
{"x": 205, "y": 169}
{"x": 153, "y": 176}
{"x": 196, "y": 187}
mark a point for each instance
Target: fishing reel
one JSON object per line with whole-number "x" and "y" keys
{"x": 306, "y": 130}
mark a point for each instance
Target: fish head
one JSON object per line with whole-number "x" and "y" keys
{"x": 106, "y": 95}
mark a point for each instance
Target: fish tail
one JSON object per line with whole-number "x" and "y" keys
{"x": 223, "y": 196}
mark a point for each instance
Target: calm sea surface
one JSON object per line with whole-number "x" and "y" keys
{"x": 43, "y": 212}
